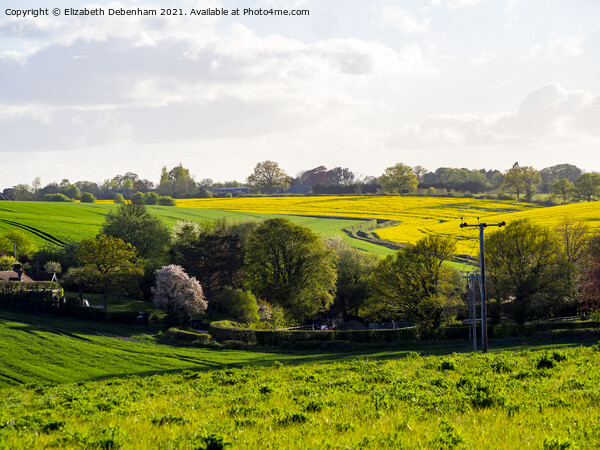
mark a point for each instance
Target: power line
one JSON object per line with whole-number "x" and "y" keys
{"x": 482, "y": 226}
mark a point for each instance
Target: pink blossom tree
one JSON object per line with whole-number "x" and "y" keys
{"x": 178, "y": 294}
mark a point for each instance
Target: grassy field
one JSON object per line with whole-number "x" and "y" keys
{"x": 68, "y": 384}
{"x": 49, "y": 222}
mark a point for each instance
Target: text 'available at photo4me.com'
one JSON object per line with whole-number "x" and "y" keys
{"x": 117, "y": 12}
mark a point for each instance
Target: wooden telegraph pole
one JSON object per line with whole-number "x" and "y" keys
{"x": 482, "y": 226}
{"x": 471, "y": 277}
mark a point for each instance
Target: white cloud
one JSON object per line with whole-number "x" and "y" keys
{"x": 548, "y": 115}
{"x": 191, "y": 87}
{"x": 558, "y": 48}
{"x": 482, "y": 59}
{"x": 456, "y": 4}
{"x": 395, "y": 16}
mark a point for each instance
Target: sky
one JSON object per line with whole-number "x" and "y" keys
{"x": 358, "y": 84}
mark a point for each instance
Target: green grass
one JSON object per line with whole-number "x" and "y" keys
{"x": 69, "y": 384}
{"x": 61, "y": 222}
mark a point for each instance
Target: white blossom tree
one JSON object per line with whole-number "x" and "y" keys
{"x": 178, "y": 294}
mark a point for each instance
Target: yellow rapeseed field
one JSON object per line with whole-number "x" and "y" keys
{"x": 418, "y": 216}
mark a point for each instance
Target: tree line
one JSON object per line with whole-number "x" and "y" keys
{"x": 275, "y": 273}
{"x": 563, "y": 182}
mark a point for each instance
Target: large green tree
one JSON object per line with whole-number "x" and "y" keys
{"x": 399, "y": 179}
{"x": 268, "y": 177}
{"x": 521, "y": 179}
{"x": 562, "y": 188}
{"x": 587, "y": 187}
{"x": 354, "y": 268}
{"x": 414, "y": 284}
{"x": 106, "y": 264}
{"x": 289, "y": 266}
{"x": 135, "y": 225}
{"x": 522, "y": 261}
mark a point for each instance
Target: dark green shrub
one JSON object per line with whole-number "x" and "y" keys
{"x": 166, "y": 201}
{"x": 57, "y": 198}
{"x": 150, "y": 198}
{"x": 86, "y": 197}
{"x": 137, "y": 198}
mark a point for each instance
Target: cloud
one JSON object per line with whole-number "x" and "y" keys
{"x": 233, "y": 83}
{"x": 547, "y": 116}
{"x": 456, "y": 4}
{"x": 558, "y": 48}
{"x": 396, "y": 17}
{"x": 482, "y": 59}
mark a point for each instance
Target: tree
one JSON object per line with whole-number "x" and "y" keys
{"x": 118, "y": 199}
{"x": 107, "y": 264}
{"x": 522, "y": 262}
{"x": 86, "y": 197}
{"x": 177, "y": 182}
{"x": 563, "y": 188}
{"x": 178, "y": 294}
{"x": 22, "y": 193}
{"x": 590, "y": 285}
{"x": 242, "y": 305}
{"x": 413, "y": 284}
{"x": 339, "y": 175}
{"x": 268, "y": 177}
{"x": 215, "y": 259}
{"x": 36, "y": 187}
{"x": 318, "y": 175}
{"x": 24, "y": 243}
{"x": 587, "y": 187}
{"x": 288, "y": 265}
{"x": 353, "y": 267}
{"x": 134, "y": 224}
{"x": 519, "y": 179}
{"x": 574, "y": 238}
{"x": 551, "y": 175}
{"x": 399, "y": 179}
{"x": 52, "y": 267}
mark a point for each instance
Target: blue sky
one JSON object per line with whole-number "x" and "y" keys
{"x": 358, "y": 84}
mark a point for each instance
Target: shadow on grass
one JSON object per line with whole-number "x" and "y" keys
{"x": 209, "y": 357}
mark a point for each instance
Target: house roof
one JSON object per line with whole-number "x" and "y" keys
{"x": 11, "y": 275}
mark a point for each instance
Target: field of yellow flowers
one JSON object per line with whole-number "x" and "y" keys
{"x": 418, "y": 216}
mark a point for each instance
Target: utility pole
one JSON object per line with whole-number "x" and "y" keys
{"x": 471, "y": 277}
{"x": 482, "y": 226}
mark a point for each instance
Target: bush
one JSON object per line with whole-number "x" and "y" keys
{"x": 150, "y": 198}
{"x": 137, "y": 198}
{"x": 86, "y": 197}
{"x": 7, "y": 262}
{"x": 119, "y": 199}
{"x": 187, "y": 336}
{"x": 57, "y": 198}
{"x": 166, "y": 201}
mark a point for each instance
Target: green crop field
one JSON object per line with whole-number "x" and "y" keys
{"x": 70, "y": 384}
{"x": 57, "y": 223}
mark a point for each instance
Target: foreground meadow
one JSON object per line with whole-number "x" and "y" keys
{"x": 139, "y": 392}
